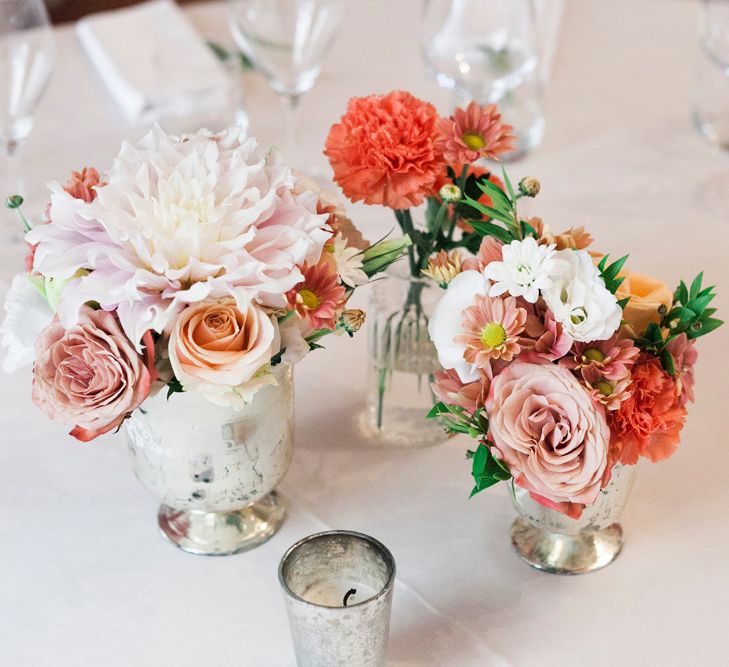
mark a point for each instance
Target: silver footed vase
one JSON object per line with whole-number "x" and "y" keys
{"x": 214, "y": 469}
{"x": 551, "y": 541}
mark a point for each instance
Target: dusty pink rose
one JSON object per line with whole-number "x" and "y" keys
{"x": 449, "y": 389}
{"x": 217, "y": 347}
{"x": 91, "y": 376}
{"x": 548, "y": 431}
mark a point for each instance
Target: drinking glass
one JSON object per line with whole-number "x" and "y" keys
{"x": 26, "y": 61}
{"x": 287, "y": 41}
{"x": 711, "y": 92}
{"x": 486, "y": 50}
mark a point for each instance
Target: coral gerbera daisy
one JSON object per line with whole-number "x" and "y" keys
{"x": 472, "y": 133}
{"x": 319, "y": 298}
{"x": 491, "y": 329}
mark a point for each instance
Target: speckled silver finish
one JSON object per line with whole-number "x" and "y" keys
{"x": 326, "y": 633}
{"x": 214, "y": 468}
{"x": 551, "y": 541}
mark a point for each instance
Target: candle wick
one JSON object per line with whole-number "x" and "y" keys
{"x": 348, "y": 594}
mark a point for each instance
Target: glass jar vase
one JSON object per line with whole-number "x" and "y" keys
{"x": 402, "y": 361}
{"x": 213, "y": 468}
{"x": 551, "y": 541}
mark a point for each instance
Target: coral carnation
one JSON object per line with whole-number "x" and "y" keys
{"x": 382, "y": 150}
{"x": 648, "y": 423}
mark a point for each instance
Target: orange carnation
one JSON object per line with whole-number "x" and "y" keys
{"x": 382, "y": 150}
{"x": 649, "y": 422}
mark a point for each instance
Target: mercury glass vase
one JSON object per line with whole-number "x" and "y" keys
{"x": 214, "y": 469}
{"x": 402, "y": 361}
{"x": 551, "y": 541}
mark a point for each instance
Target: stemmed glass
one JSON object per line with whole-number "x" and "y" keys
{"x": 486, "y": 50}
{"x": 26, "y": 61}
{"x": 287, "y": 41}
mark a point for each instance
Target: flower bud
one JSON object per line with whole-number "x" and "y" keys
{"x": 443, "y": 267}
{"x": 379, "y": 256}
{"x": 353, "y": 319}
{"x": 14, "y": 201}
{"x": 450, "y": 192}
{"x": 529, "y": 186}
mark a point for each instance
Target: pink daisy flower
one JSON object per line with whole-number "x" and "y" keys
{"x": 472, "y": 133}
{"x": 613, "y": 358}
{"x": 684, "y": 355}
{"x": 610, "y": 393}
{"x": 491, "y": 329}
{"x": 319, "y": 298}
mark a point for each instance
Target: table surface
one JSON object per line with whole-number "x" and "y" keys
{"x": 85, "y": 579}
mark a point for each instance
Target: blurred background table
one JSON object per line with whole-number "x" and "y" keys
{"x": 86, "y": 580}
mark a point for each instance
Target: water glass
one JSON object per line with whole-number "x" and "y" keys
{"x": 486, "y": 50}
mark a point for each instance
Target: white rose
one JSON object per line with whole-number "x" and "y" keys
{"x": 447, "y": 322}
{"x": 27, "y": 313}
{"x": 579, "y": 299}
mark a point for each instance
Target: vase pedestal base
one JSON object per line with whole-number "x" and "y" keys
{"x": 222, "y": 533}
{"x": 558, "y": 553}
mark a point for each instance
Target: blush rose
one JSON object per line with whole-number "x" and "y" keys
{"x": 549, "y": 433}
{"x": 91, "y": 375}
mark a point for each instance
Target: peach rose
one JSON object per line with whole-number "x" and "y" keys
{"x": 549, "y": 433}
{"x": 647, "y": 295}
{"x": 217, "y": 349}
{"x": 91, "y": 375}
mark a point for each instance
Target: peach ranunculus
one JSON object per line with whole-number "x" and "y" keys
{"x": 649, "y": 422}
{"x": 218, "y": 349}
{"x": 489, "y": 251}
{"x": 647, "y": 295}
{"x": 548, "y": 431}
{"x": 91, "y": 375}
{"x": 382, "y": 150}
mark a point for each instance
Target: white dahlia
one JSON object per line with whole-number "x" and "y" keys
{"x": 178, "y": 221}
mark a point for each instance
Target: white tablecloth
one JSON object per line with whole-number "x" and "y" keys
{"x": 85, "y": 579}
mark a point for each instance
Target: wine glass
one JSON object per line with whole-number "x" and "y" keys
{"x": 711, "y": 88}
{"x": 26, "y": 61}
{"x": 486, "y": 50}
{"x": 287, "y": 41}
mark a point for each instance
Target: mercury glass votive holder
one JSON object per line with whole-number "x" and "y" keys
{"x": 337, "y": 588}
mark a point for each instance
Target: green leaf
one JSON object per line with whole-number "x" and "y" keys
{"x": 276, "y": 358}
{"x": 437, "y": 410}
{"x": 698, "y": 304}
{"x": 696, "y": 286}
{"x": 623, "y": 302}
{"x": 705, "y": 326}
{"x": 507, "y": 182}
{"x": 487, "y": 210}
{"x": 612, "y": 271}
{"x": 528, "y": 230}
{"x": 498, "y": 197}
{"x": 681, "y": 295}
{"x": 667, "y": 363}
{"x": 174, "y": 386}
{"x": 490, "y": 229}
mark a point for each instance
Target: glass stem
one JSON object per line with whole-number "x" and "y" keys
{"x": 12, "y": 180}
{"x": 290, "y": 103}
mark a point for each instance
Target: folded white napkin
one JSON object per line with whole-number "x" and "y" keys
{"x": 152, "y": 60}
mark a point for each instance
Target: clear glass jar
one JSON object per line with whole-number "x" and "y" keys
{"x": 551, "y": 541}
{"x": 213, "y": 468}
{"x": 402, "y": 361}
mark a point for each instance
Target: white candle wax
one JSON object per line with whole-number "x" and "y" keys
{"x": 331, "y": 592}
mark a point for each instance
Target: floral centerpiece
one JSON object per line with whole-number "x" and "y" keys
{"x": 396, "y": 151}
{"x": 195, "y": 265}
{"x": 566, "y": 368}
